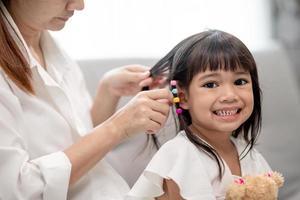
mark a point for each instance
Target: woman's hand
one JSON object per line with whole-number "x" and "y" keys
{"x": 127, "y": 80}
{"x": 147, "y": 111}
{"x": 123, "y": 81}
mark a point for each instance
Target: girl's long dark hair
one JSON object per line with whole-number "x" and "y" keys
{"x": 212, "y": 50}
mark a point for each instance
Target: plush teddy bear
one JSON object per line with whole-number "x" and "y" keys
{"x": 260, "y": 187}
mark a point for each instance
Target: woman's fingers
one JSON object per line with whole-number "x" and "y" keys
{"x": 146, "y": 82}
{"x": 158, "y": 118}
{"x": 137, "y": 68}
{"x": 159, "y": 94}
{"x": 136, "y": 73}
{"x": 148, "y": 110}
{"x": 155, "y": 108}
{"x": 152, "y": 127}
{"x": 137, "y": 77}
{"x": 158, "y": 82}
{"x": 160, "y": 105}
{"x": 125, "y": 78}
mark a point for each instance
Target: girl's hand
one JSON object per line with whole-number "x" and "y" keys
{"x": 147, "y": 111}
{"x": 127, "y": 80}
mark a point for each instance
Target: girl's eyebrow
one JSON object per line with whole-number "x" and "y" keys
{"x": 216, "y": 74}
{"x": 210, "y": 75}
{"x": 242, "y": 73}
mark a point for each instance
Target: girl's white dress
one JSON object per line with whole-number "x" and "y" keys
{"x": 195, "y": 173}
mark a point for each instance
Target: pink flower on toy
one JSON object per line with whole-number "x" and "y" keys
{"x": 240, "y": 181}
{"x": 260, "y": 187}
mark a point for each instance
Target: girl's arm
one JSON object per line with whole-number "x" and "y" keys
{"x": 172, "y": 191}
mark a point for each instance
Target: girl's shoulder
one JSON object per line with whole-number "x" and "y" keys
{"x": 181, "y": 150}
{"x": 178, "y": 160}
{"x": 243, "y": 148}
{"x": 179, "y": 147}
{"x": 252, "y": 162}
{"x": 180, "y": 157}
{"x": 179, "y": 139}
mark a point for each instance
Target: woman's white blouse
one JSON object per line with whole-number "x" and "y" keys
{"x": 195, "y": 173}
{"x": 35, "y": 129}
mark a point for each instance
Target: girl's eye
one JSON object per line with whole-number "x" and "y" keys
{"x": 210, "y": 85}
{"x": 240, "y": 82}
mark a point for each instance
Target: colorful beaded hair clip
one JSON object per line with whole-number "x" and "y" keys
{"x": 176, "y": 99}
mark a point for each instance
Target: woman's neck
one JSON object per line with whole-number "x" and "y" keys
{"x": 32, "y": 39}
{"x": 31, "y": 35}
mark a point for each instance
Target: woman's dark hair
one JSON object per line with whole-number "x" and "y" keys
{"x": 12, "y": 60}
{"x": 212, "y": 50}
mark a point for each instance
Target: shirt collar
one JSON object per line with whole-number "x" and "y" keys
{"x": 55, "y": 57}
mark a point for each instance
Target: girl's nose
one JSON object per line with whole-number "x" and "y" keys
{"x": 228, "y": 94}
{"x": 75, "y": 5}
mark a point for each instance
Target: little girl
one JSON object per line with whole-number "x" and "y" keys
{"x": 218, "y": 104}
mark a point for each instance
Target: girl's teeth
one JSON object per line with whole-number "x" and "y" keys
{"x": 226, "y": 112}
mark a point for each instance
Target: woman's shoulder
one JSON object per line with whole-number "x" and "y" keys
{"x": 3, "y": 79}
{"x": 5, "y": 86}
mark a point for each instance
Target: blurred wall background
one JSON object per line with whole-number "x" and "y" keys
{"x": 286, "y": 29}
{"x": 148, "y": 29}
{"x": 143, "y": 28}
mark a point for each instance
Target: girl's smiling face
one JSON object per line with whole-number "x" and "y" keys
{"x": 219, "y": 101}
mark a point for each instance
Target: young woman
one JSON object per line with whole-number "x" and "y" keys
{"x": 48, "y": 146}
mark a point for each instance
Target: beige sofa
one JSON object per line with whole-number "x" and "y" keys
{"x": 280, "y": 136}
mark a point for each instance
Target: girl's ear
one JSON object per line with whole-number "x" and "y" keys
{"x": 182, "y": 94}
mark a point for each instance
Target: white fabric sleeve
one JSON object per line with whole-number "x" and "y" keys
{"x": 45, "y": 177}
{"x": 178, "y": 160}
